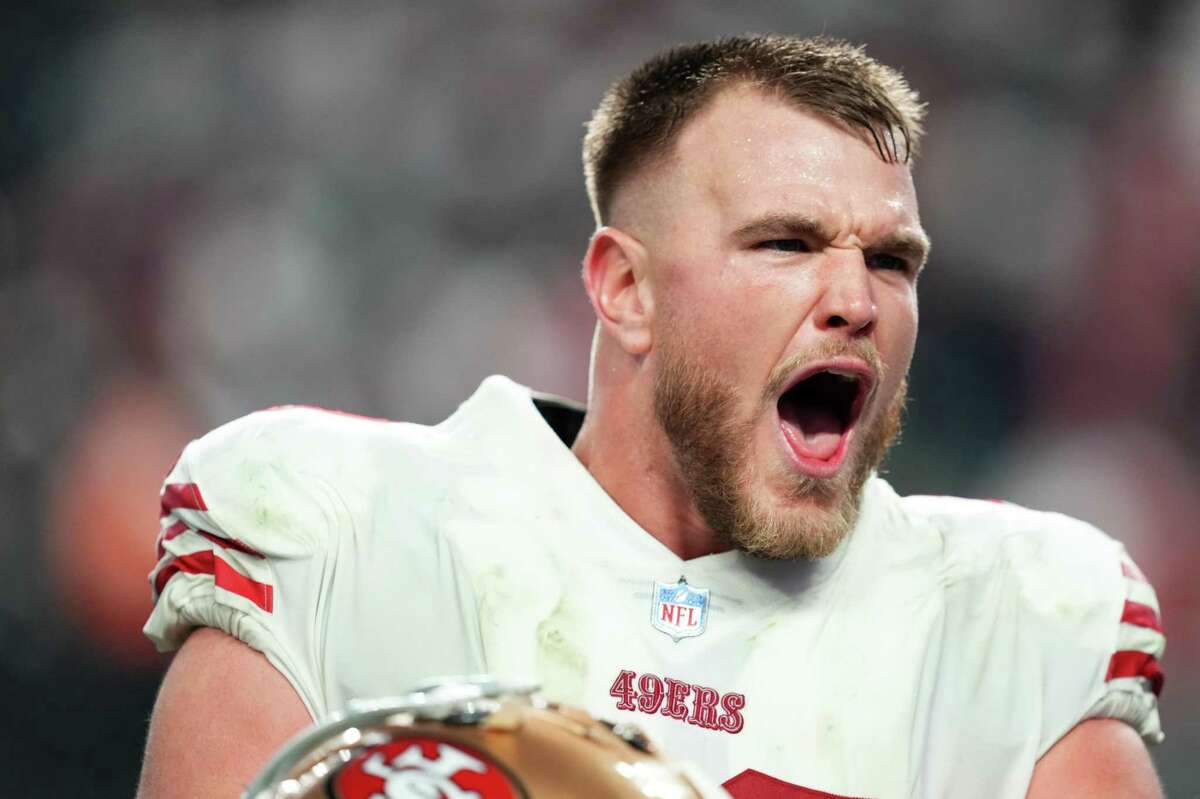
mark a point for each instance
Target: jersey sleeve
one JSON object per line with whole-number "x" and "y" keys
{"x": 1134, "y": 677}
{"x": 247, "y": 542}
{"x": 1096, "y": 623}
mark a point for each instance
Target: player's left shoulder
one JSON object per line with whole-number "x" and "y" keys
{"x": 1053, "y": 557}
{"x": 1064, "y": 578}
{"x": 1064, "y": 565}
{"x": 1063, "y": 598}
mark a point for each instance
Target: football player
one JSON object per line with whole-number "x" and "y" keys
{"x": 708, "y": 550}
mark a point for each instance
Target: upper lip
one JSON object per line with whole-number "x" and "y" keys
{"x": 846, "y": 365}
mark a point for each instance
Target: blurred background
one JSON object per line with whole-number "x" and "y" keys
{"x": 208, "y": 208}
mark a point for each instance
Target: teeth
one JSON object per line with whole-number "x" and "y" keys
{"x": 847, "y": 377}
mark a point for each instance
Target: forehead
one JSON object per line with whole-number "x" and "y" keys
{"x": 748, "y": 155}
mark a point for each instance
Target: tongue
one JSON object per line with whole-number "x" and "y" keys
{"x": 820, "y": 432}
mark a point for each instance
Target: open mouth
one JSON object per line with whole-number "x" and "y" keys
{"x": 818, "y": 413}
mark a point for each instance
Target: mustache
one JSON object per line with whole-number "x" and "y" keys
{"x": 826, "y": 350}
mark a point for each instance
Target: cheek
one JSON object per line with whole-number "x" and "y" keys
{"x": 756, "y": 327}
{"x": 899, "y": 332}
{"x": 707, "y": 310}
{"x": 913, "y": 320}
{"x": 908, "y": 327}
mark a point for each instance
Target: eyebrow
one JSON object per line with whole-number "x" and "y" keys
{"x": 907, "y": 242}
{"x": 781, "y": 225}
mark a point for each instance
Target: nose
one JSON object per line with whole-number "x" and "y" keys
{"x": 847, "y": 302}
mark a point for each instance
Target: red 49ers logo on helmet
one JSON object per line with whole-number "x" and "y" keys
{"x": 423, "y": 768}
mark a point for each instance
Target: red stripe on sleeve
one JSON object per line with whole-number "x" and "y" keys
{"x": 229, "y": 543}
{"x": 225, "y": 576}
{"x": 195, "y": 563}
{"x": 182, "y": 495}
{"x": 1140, "y": 615}
{"x": 163, "y": 577}
{"x": 175, "y": 530}
{"x": 1131, "y": 571}
{"x": 1131, "y": 663}
{"x": 231, "y": 579}
{"x": 179, "y": 528}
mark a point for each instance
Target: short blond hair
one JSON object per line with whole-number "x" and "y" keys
{"x": 641, "y": 114}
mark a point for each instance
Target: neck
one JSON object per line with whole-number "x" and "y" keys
{"x": 625, "y": 449}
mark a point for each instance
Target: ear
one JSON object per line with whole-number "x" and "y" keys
{"x": 615, "y": 272}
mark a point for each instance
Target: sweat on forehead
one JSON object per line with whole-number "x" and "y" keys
{"x": 640, "y": 116}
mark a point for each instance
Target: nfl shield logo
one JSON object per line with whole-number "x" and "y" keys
{"x": 679, "y": 610}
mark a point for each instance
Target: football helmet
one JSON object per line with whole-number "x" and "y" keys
{"x": 473, "y": 738}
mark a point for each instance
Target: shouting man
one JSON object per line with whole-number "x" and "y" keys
{"x": 708, "y": 550}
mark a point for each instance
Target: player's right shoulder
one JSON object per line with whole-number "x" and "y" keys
{"x": 264, "y": 506}
{"x": 280, "y": 480}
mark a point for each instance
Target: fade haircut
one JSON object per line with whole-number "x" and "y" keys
{"x": 640, "y": 116}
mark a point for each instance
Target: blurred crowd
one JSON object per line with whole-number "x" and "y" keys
{"x": 208, "y": 208}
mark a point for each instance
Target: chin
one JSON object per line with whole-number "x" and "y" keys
{"x": 798, "y": 524}
{"x": 745, "y": 478}
{"x": 801, "y": 516}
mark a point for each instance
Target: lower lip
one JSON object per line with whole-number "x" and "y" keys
{"x": 814, "y": 467}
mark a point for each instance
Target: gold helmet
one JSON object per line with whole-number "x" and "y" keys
{"x": 472, "y": 738}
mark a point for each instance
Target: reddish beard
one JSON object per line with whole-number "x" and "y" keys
{"x": 713, "y": 448}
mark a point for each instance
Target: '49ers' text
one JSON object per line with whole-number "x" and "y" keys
{"x": 676, "y": 699}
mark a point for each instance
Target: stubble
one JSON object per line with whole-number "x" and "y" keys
{"x": 804, "y": 517}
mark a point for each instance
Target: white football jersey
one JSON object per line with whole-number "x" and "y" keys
{"x": 938, "y": 653}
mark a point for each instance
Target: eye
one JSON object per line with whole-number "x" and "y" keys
{"x": 784, "y": 245}
{"x": 883, "y": 260}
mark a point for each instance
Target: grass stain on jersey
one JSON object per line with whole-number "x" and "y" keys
{"x": 561, "y": 665}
